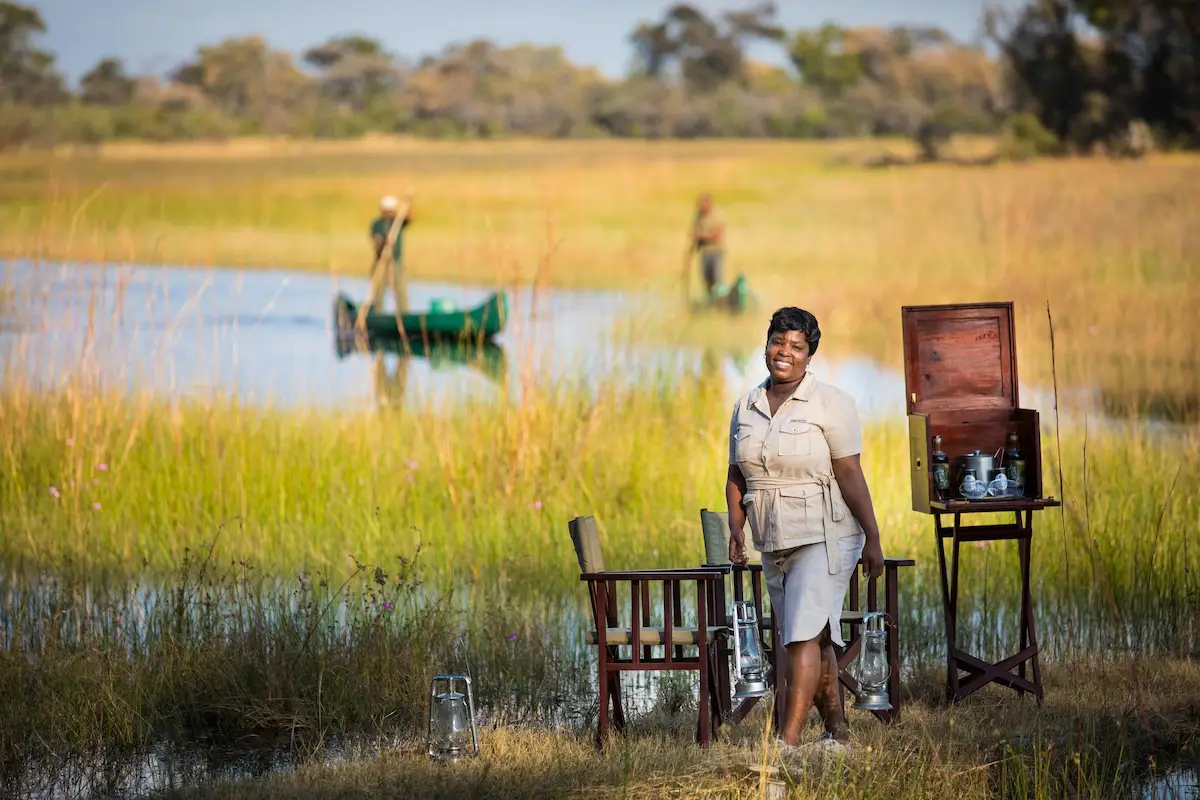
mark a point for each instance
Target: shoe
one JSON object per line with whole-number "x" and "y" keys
{"x": 826, "y": 741}
{"x": 791, "y": 756}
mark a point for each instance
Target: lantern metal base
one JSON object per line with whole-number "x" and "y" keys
{"x": 457, "y": 754}
{"x": 753, "y": 686}
{"x": 876, "y": 700}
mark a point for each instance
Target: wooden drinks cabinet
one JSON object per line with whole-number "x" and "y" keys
{"x": 960, "y": 375}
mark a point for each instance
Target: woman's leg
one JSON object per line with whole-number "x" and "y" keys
{"x": 829, "y": 699}
{"x": 803, "y": 674}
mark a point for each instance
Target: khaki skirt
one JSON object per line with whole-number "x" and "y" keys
{"x": 805, "y": 598}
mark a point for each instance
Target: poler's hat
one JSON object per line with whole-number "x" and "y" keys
{"x": 389, "y": 203}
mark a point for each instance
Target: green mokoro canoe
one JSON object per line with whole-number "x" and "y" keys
{"x": 735, "y": 298}
{"x": 483, "y": 322}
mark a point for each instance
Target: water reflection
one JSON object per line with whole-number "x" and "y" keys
{"x": 390, "y": 359}
{"x": 1181, "y": 785}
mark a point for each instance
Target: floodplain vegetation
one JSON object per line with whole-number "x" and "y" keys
{"x": 200, "y": 572}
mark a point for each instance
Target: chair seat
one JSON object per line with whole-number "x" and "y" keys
{"x": 653, "y": 636}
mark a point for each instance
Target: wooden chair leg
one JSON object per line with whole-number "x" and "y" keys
{"x": 718, "y": 692}
{"x": 892, "y": 609}
{"x": 780, "y": 654}
{"x": 618, "y": 706}
{"x": 602, "y": 719}
{"x": 705, "y": 695}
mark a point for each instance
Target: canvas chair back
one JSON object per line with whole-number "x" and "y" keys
{"x": 585, "y": 536}
{"x": 715, "y": 525}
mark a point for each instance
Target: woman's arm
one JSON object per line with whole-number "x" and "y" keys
{"x": 853, "y": 483}
{"x": 735, "y": 490}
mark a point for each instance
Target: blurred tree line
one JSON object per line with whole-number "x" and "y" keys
{"x": 1068, "y": 75}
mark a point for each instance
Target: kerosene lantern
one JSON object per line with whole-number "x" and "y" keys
{"x": 873, "y": 670}
{"x": 747, "y": 653}
{"x": 451, "y": 733}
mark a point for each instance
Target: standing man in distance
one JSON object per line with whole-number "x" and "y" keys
{"x": 708, "y": 237}
{"x": 389, "y": 270}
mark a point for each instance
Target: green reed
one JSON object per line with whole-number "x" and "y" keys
{"x": 486, "y": 490}
{"x": 222, "y": 654}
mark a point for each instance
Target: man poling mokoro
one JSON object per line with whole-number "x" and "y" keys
{"x": 708, "y": 239}
{"x": 388, "y": 268}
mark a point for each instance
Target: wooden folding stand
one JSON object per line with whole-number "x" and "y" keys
{"x": 961, "y": 379}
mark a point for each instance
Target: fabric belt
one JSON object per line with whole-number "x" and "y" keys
{"x": 766, "y": 490}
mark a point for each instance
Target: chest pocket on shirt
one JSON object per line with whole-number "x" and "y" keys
{"x": 795, "y": 438}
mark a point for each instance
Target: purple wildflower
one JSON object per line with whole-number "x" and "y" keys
{"x": 54, "y": 492}
{"x": 96, "y": 506}
{"x": 512, "y": 637}
{"x": 102, "y": 467}
{"x": 70, "y": 442}
{"x": 537, "y": 505}
{"x": 411, "y": 464}
{"x": 388, "y": 606}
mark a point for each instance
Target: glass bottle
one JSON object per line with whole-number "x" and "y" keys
{"x": 1014, "y": 463}
{"x": 941, "y": 469}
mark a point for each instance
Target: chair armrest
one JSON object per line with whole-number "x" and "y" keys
{"x": 725, "y": 569}
{"x": 896, "y": 562}
{"x": 653, "y": 575}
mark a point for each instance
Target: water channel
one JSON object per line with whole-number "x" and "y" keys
{"x": 268, "y": 337}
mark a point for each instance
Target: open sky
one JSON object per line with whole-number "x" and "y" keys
{"x": 154, "y": 36}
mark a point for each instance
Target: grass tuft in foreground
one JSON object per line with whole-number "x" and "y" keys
{"x": 226, "y": 656}
{"x": 1106, "y": 731}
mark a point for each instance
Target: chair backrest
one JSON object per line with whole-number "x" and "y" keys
{"x": 585, "y": 535}
{"x": 715, "y": 525}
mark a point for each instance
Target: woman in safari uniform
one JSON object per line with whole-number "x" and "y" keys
{"x": 794, "y": 474}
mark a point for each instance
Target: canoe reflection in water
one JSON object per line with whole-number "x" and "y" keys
{"x": 390, "y": 357}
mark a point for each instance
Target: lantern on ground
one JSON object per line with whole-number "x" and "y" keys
{"x": 747, "y": 653}
{"x": 873, "y": 669}
{"x": 451, "y": 734}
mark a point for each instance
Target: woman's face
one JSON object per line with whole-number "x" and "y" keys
{"x": 787, "y": 356}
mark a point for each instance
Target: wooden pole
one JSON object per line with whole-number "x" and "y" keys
{"x": 687, "y": 266}
{"x": 377, "y": 270}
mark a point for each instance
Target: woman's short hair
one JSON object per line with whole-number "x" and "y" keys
{"x": 791, "y": 318}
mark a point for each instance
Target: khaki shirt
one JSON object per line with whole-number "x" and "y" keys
{"x": 706, "y": 225}
{"x": 792, "y": 497}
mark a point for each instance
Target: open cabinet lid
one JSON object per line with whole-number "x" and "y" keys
{"x": 959, "y": 357}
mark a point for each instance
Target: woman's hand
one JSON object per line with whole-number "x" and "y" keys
{"x": 872, "y": 558}
{"x": 737, "y": 547}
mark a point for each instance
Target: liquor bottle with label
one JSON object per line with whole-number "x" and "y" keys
{"x": 941, "y": 469}
{"x": 1014, "y": 464}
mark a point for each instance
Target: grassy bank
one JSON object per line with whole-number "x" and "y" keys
{"x": 219, "y": 655}
{"x": 94, "y": 676}
{"x": 1088, "y": 742}
{"x": 115, "y": 485}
